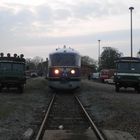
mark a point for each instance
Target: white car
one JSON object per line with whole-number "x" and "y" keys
{"x": 110, "y": 81}
{"x": 95, "y": 75}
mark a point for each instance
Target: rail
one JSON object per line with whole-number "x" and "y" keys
{"x": 98, "y": 133}
{"x": 93, "y": 126}
{"x": 45, "y": 118}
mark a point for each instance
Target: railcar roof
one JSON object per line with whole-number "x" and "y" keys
{"x": 64, "y": 50}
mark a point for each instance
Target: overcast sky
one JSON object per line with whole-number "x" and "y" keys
{"x": 37, "y": 27}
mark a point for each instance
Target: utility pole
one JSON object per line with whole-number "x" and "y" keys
{"x": 99, "y": 53}
{"x": 131, "y": 8}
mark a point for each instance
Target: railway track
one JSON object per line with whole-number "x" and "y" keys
{"x": 66, "y": 118}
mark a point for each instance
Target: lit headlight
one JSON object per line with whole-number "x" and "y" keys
{"x": 56, "y": 71}
{"x": 72, "y": 71}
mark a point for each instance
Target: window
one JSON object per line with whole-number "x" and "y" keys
{"x": 5, "y": 66}
{"x": 129, "y": 67}
{"x": 18, "y": 67}
{"x": 11, "y": 66}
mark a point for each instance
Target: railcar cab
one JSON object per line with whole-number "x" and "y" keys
{"x": 127, "y": 73}
{"x": 64, "y": 68}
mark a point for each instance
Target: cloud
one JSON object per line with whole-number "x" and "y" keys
{"x": 62, "y": 22}
{"x": 97, "y": 9}
{"x": 44, "y": 13}
{"x": 12, "y": 22}
{"x": 58, "y": 19}
{"x": 62, "y": 14}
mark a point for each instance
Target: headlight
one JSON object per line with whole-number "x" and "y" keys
{"x": 56, "y": 71}
{"x": 72, "y": 71}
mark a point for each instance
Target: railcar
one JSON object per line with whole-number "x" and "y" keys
{"x": 12, "y": 72}
{"x": 127, "y": 73}
{"x": 64, "y": 69}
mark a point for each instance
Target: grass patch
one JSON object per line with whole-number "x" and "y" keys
{"x": 6, "y": 110}
{"x": 36, "y": 83}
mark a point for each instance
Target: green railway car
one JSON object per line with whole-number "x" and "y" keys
{"x": 12, "y": 72}
{"x": 127, "y": 73}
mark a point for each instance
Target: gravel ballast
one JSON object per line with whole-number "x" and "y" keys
{"x": 110, "y": 110}
{"x": 19, "y": 112}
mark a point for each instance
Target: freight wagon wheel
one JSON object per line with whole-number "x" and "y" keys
{"x": 0, "y": 88}
{"x": 138, "y": 89}
{"x": 8, "y": 87}
{"x": 117, "y": 88}
{"x": 20, "y": 88}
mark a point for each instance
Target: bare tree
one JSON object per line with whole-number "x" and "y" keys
{"x": 37, "y": 60}
{"x": 88, "y": 61}
{"x": 32, "y": 64}
{"x": 138, "y": 54}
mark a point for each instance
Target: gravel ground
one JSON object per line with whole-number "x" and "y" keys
{"x": 18, "y": 112}
{"x": 110, "y": 110}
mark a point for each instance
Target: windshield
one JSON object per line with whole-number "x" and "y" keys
{"x": 11, "y": 66}
{"x": 67, "y": 59}
{"x": 129, "y": 67}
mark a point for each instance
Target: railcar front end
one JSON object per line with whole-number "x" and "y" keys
{"x": 64, "y": 69}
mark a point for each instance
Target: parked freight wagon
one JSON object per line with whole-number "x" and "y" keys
{"x": 127, "y": 73}
{"x": 12, "y": 72}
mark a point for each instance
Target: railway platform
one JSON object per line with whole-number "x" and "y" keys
{"x": 69, "y": 135}
{"x": 86, "y": 135}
